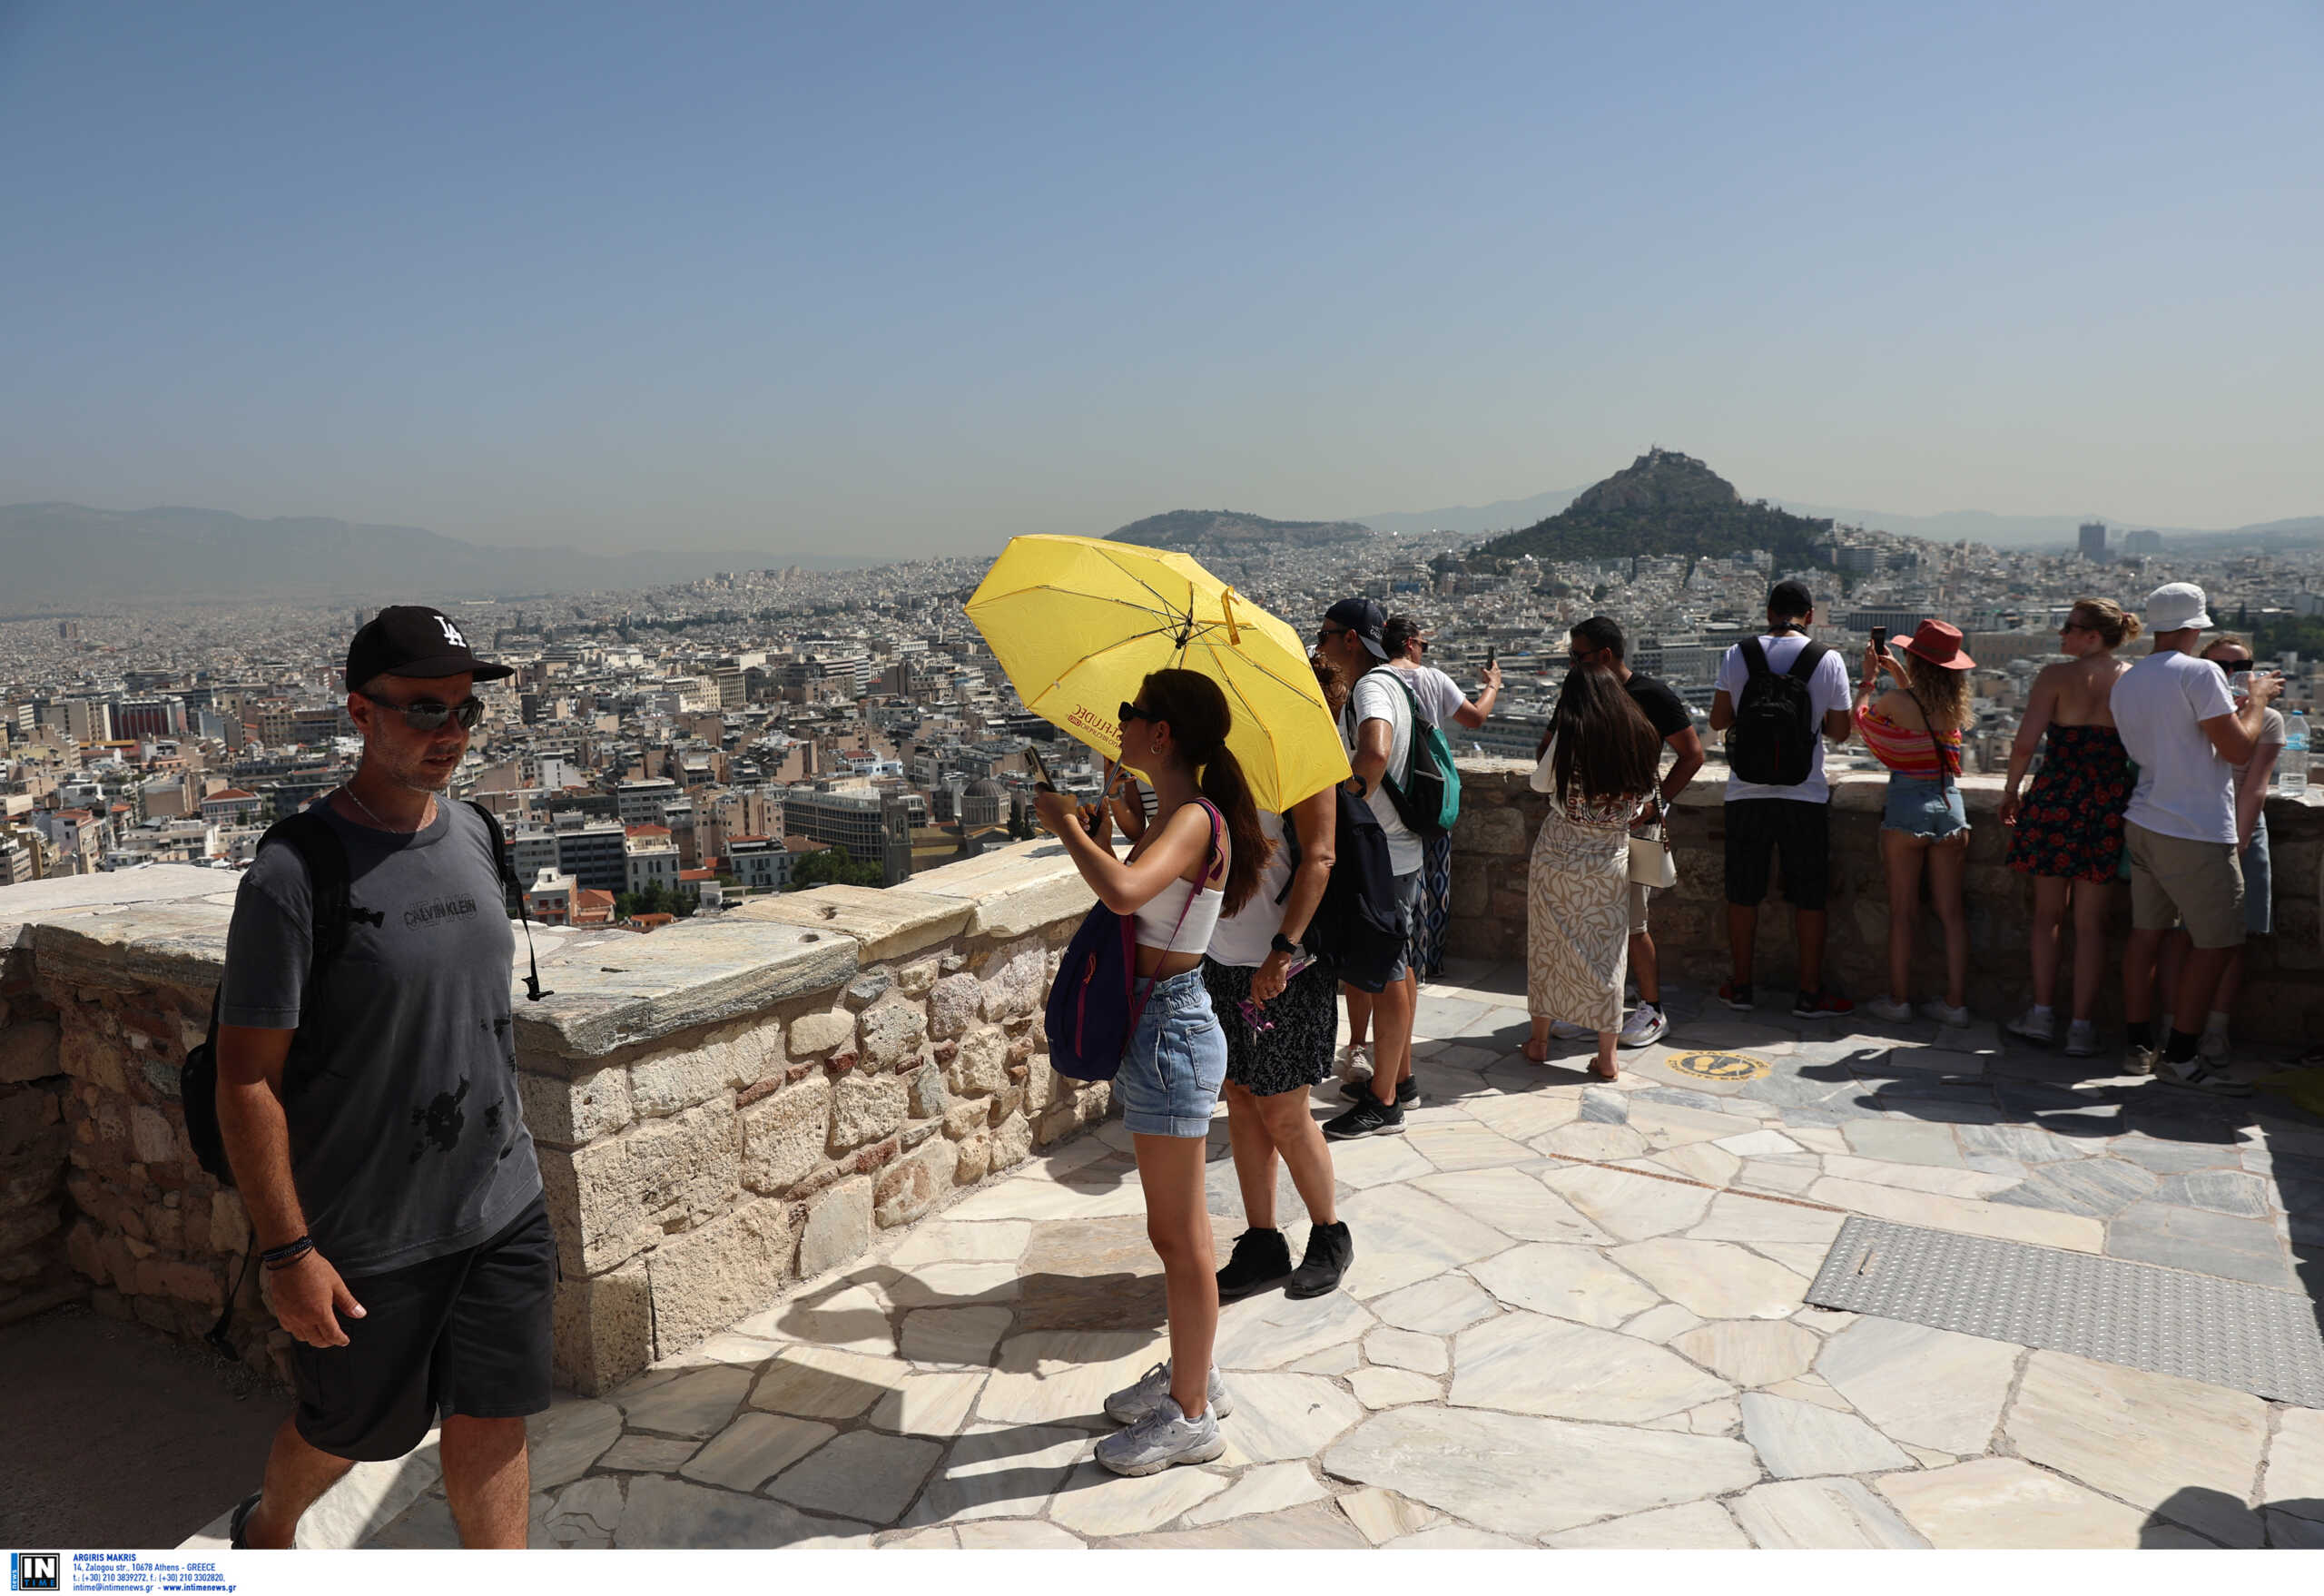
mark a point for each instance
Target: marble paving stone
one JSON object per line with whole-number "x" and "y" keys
{"x": 1031, "y": 1198}
{"x": 2186, "y": 1450}
{"x": 1602, "y": 1105}
{"x": 2294, "y": 1482}
{"x": 1382, "y": 1515}
{"x": 2222, "y": 1191}
{"x": 1099, "y": 1274}
{"x": 862, "y": 1473}
{"x": 2171, "y": 1158}
{"x": 1096, "y": 1502}
{"x": 994, "y": 1241}
{"x": 1454, "y": 1538}
{"x": 726, "y": 1347}
{"x": 696, "y": 1401}
{"x": 1515, "y": 1203}
{"x": 1676, "y": 1097}
{"x": 1697, "y": 1526}
{"x": 1727, "y": 1033}
{"x": 2100, "y": 1188}
{"x": 1798, "y": 1440}
{"x": 1270, "y": 1329}
{"x": 1017, "y": 1535}
{"x": 1714, "y": 1418}
{"x": 667, "y": 1514}
{"x": 754, "y": 1449}
{"x": 1464, "y": 1144}
{"x": 1751, "y": 1352}
{"x": 648, "y": 1455}
{"x": 1790, "y": 1177}
{"x": 1312, "y": 1527}
{"x": 1824, "y": 1320}
{"x": 1716, "y": 1279}
{"x": 1662, "y": 1323}
{"x": 1667, "y": 1127}
{"x": 1801, "y": 1260}
{"x": 1950, "y": 1182}
{"x": 1903, "y": 1141}
{"x": 942, "y": 1539}
{"x": 1404, "y": 1236}
{"x": 1700, "y": 1161}
{"x": 1758, "y": 1144}
{"x": 586, "y": 1512}
{"x": 1523, "y": 1116}
{"x": 1433, "y": 1307}
{"x": 1332, "y": 1360}
{"x": 2289, "y": 1530}
{"x": 1565, "y": 1281}
{"x": 1818, "y": 1139}
{"x": 1811, "y": 1390}
{"x": 1921, "y": 1385}
{"x": 564, "y": 1440}
{"x": 952, "y": 1336}
{"x": 1283, "y": 1416}
{"x": 1816, "y": 1514}
{"x": 1929, "y": 1458}
{"x": 1270, "y": 1488}
{"x": 956, "y": 1285}
{"x": 2001, "y": 1503}
{"x": 1007, "y": 1471}
{"x": 1530, "y": 1477}
{"x": 853, "y": 1319}
{"x": 1596, "y": 1143}
{"x": 1736, "y": 1218}
{"x": 929, "y": 1404}
{"x": 1377, "y": 1160}
{"x": 1630, "y": 1206}
{"x": 1525, "y": 1363}
{"x": 1046, "y": 1376}
{"x": 819, "y": 1383}
{"x": 2074, "y": 1231}
{"x": 2204, "y": 1242}
{"x": 1382, "y": 1387}
{"x": 1403, "y": 1349}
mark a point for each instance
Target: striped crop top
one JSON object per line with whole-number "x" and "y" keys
{"x": 1905, "y": 751}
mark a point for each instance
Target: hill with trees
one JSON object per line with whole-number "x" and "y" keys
{"x": 1231, "y": 532}
{"x": 1665, "y": 503}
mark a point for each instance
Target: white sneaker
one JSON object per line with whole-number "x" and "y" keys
{"x": 1646, "y": 1025}
{"x": 1562, "y": 1032}
{"x": 1887, "y": 1008}
{"x": 1354, "y": 1061}
{"x": 2038, "y": 1025}
{"x": 2202, "y": 1075}
{"x": 2081, "y": 1040}
{"x": 1945, "y": 1014}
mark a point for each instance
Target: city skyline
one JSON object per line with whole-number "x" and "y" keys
{"x": 918, "y": 281}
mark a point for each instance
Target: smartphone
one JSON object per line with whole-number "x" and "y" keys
{"x": 1492, "y": 654}
{"x": 1041, "y": 783}
{"x": 1880, "y": 639}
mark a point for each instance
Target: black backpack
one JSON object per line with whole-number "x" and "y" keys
{"x": 1358, "y": 929}
{"x": 1772, "y": 742}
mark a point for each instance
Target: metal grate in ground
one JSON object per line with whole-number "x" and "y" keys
{"x": 2166, "y": 1321}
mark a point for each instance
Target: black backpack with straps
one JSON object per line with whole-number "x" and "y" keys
{"x": 1357, "y": 930}
{"x": 1772, "y": 742}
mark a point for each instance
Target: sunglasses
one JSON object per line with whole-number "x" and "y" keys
{"x": 1126, "y": 711}
{"x": 1326, "y": 634}
{"x": 2233, "y": 668}
{"x": 2074, "y": 627}
{"x": 425, "y": 714}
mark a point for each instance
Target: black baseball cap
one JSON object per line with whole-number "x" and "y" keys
{"x": 414, "y": 640}
{"x": 1789, "y": 598}
{"x": 1364, "y": 618}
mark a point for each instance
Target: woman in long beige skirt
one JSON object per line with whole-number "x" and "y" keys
{"x": 1598, "y": 765}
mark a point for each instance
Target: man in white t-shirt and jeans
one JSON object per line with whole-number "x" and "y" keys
{"x": 2182, "y": 727}
{"x": 1377, "y": 728}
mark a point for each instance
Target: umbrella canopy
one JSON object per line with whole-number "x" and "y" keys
{"x": 1079, "y": 622}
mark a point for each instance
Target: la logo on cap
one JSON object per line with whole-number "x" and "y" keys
{"x": 451, "y": 633}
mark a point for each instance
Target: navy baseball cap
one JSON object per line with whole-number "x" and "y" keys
{"x": 414, "y": 640}
{"x": 1364, "y": 618}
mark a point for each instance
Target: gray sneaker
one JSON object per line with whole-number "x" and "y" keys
{"x": 2081, "y": 1040}
{"x": 2202, "y": 1075}
{"x": 1162, "y": 1437}
{"x": 1133, "y": 1402}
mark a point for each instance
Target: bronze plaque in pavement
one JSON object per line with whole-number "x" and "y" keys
{"x": 1714, "y": 1065}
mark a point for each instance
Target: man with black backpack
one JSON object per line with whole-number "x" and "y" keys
{"x": 367, "y": 1104}
{"x": 1779, "y": 695}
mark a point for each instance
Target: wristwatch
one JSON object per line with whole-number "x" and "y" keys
{"x": 1285, "y": 946}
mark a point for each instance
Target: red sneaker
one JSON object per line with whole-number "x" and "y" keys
{"x": 1822, "y": 1006}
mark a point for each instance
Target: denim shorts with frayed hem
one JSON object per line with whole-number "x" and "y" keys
{"x": 1169, "y": 1080}
{"x": 1922, "y": 807}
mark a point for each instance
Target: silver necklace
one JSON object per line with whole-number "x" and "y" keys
{"x": 349, "y": 789}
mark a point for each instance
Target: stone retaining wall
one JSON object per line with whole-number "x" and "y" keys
{"x": 2283, "y": 991}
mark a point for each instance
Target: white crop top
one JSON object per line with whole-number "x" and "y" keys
{"x": 1160, "y": 923}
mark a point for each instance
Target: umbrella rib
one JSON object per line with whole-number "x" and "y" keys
{"x": 1167, "y": 607}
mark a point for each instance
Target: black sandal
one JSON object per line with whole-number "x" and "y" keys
{"x": 239, "y": 1518}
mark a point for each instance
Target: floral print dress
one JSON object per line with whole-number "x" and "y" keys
{"x": 2069, "y": 821}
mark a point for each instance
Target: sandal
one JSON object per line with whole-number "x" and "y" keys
{"x": 1532, "y": 1056}
{"x": 237, "y": 1522}
{"x": 1611, "y": 1072}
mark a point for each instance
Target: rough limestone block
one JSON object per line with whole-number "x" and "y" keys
{"x": 975, "y": 1158}
{"x": 915, "y": 978}
{"x": 814, "y": 1034}
{"x": 892, "y": 1033}
{"x": 85, "y": 1055}
{"x": 962, "y": 1119}
{"x": 865, "y": 1108}
{"x": 671, "y": 1082}
{"x": 578, "y": 1110}
{"x": 593, "y": 1205}
{"x": 706, "y": 1279}
{"x": 1014, "y": 981}
{"x": 909, "y": 1187}
{"x": 150, "y": 1135}
{"x": 928, "y": 1097}
{"x": 1012, "y": 1142}
{"x": 28, "y": 1051}
{"x": 952, "y": 1004}
{"x": 784, "y": 1136}
{"x": 839, "y": 1226}
{"x": 229, "y": 1223}
{"x": 602, "y": 1327}
{"x": 689, "y": 1165}
{"x": 980, "y": 1067}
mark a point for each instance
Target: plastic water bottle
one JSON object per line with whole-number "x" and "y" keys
{"x": 2291, "y": 764}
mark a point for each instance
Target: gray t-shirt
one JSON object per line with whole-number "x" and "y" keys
{"x": 406, "y": 1140}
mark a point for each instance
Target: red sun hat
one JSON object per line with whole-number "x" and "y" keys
{"x": 1940, "y": 644}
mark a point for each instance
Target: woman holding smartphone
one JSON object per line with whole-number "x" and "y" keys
{"x": 1201, "y": 855}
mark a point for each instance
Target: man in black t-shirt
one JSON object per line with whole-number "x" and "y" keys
{"x": 1599, "y": 642}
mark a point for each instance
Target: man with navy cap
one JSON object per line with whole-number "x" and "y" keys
{"x": 373, "y": 1120}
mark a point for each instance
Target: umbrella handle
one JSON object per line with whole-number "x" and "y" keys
{"x": 1227, "y": 608}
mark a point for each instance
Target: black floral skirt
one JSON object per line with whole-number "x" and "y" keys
{"x": 2069, "y": 821}
{"x": 1295, "y": 1051}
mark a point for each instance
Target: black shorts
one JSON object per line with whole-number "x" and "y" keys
{"x": 1758, "y": 827}
{"x": 467, "y": 1334}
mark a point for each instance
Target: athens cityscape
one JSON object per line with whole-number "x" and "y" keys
{"x": 660, "y": 890}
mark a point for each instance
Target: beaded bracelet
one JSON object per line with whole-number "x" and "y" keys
{"x": 290, "y": 1252}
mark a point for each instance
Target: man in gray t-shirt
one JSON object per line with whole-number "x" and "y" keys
{"x": 372, "y": 1118}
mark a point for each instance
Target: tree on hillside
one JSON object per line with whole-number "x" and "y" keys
{"x": 833, "y": 866}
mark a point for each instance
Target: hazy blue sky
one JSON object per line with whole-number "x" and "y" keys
{"x": 904, "y": 278}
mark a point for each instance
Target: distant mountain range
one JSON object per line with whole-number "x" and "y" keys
{"x": 1226, "y": 532}
{"x": 1664, "y": 503}
{"x": 55, "y": 554}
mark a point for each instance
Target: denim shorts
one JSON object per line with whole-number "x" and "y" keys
{"x": 1923, "y": 807}
{"x": 1170, "y": 1078}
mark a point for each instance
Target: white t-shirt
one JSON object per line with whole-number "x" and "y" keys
{"x": 1380, "y": 696}
{"x": 1827, "y": 690}
{"x": 1440, "y": 695}
{"x": 2185, "y": 789}
{"x": 1246, "y": 937}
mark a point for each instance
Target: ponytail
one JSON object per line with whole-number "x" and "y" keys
{"x": 1199, "y": 717}
{"x": 1223, "y": 785}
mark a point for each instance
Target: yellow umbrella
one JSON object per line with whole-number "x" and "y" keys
{"x": 1079, "y": 622}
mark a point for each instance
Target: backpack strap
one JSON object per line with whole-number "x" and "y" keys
{"x": 1803, "y": 665}
{"x": 1755, "y": 658}
{"x": 330, "y": 906}
{"x": 505, "y": 869}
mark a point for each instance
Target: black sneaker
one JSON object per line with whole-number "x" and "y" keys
{"x": 1360, "y": 1091}
{"x": 1330, "y": 1250}
{"x": 1368, "y": 1117}
{"x": 1826, "y": 1004}
{"x": 1261, "y": 1257}
{"x": 237, "y": 1522}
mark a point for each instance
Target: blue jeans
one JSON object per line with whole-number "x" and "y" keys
{"x": 1923, "y": 807}
{"x": 1170, "y": 1078}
